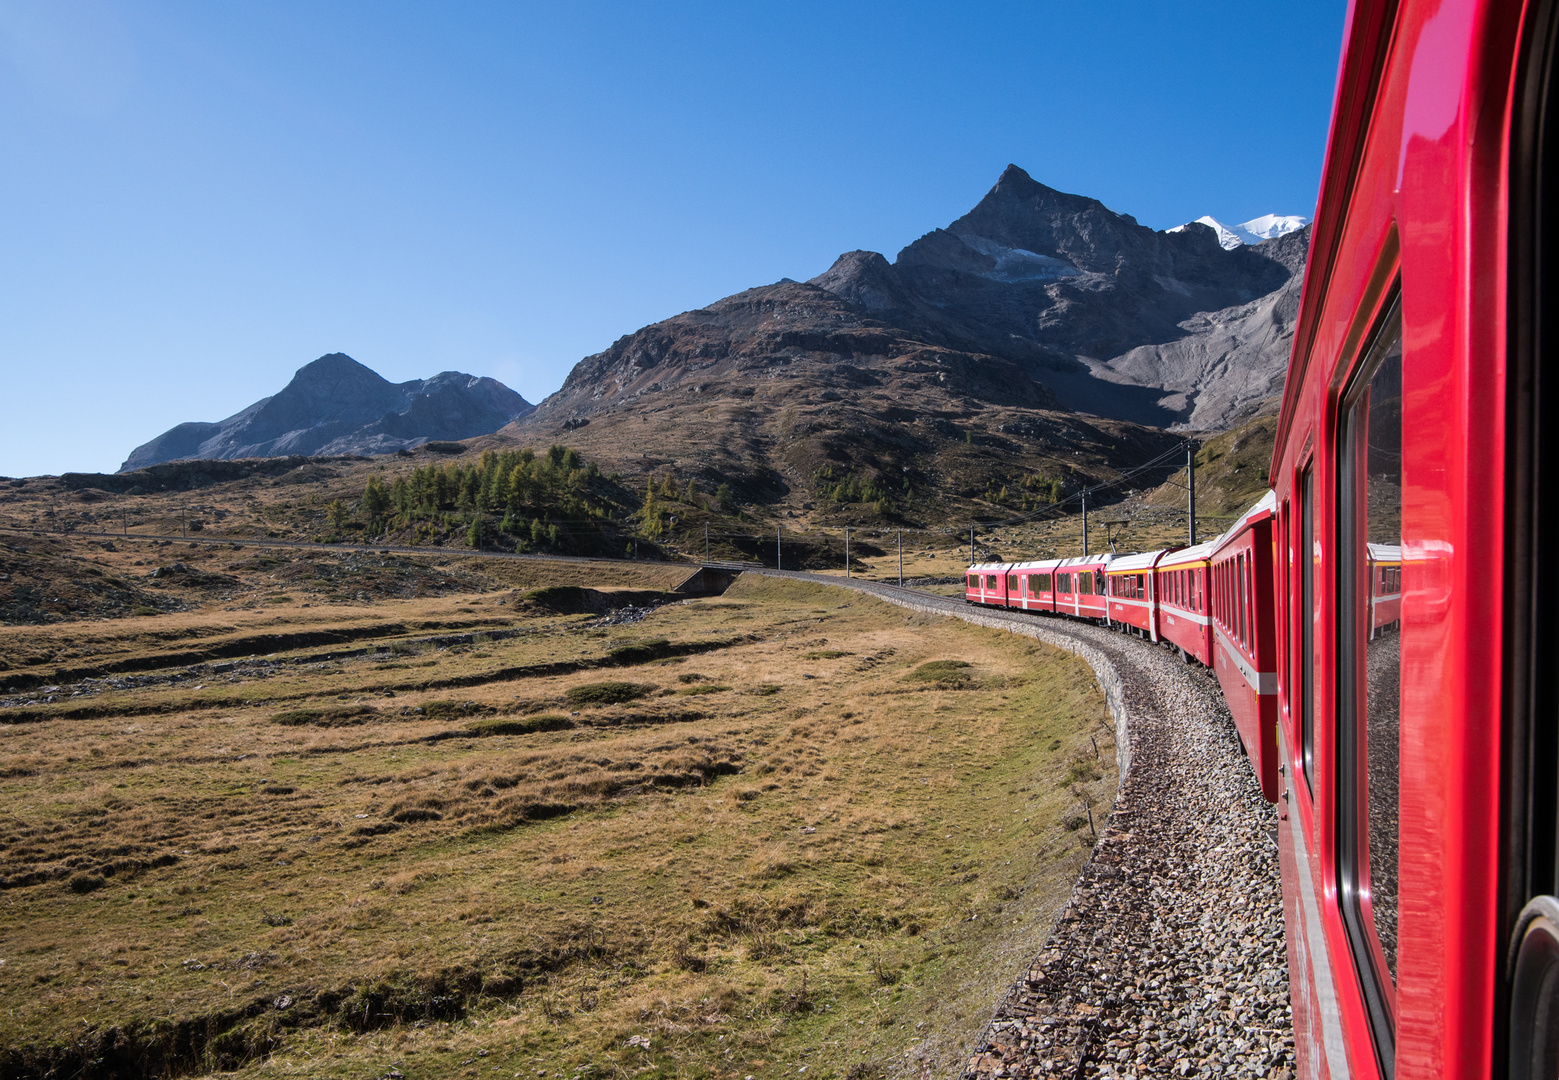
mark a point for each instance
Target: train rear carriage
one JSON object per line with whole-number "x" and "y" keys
{"x": 1385, "y": 578}
{"x": 1183, "y": 618}
{"x": 986, "y": 583}
{"x": 1031, "y": 585}
{"x": 1129, "y": 583}
{"x": 1244, "y": 629}
{"x": 1079, "y": 586}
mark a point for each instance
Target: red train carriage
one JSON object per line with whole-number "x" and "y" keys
{"x": 1130, "y": 583}
{"x": 1244, "y": 628}
{"x": 986, "y": 583}
{"x": 1034, "y": 589}
{"x": 1183, "y": 618}
{"x": 1415, "y": 468}
{"x": 1079, "y": 586}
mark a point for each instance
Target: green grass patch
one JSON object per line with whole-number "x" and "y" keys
{"x": 703, "y": 688}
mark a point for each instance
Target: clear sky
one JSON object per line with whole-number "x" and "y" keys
{"x": 198, "y": 198}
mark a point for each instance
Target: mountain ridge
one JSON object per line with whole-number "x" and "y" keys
{"x": 336, "y": 406}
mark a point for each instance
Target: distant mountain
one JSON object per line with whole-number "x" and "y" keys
{"x": 1254, "y": 231}
{"x": 964, "y": 363}
{"x": 1062, "y": 300}
{"x": 337, "y": 406}
{"x": 1067, "y": 288}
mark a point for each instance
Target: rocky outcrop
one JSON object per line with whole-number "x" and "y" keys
{"x": 336, "y": 406}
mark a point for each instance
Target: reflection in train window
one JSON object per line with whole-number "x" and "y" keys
{"x": 1369, "y": 518}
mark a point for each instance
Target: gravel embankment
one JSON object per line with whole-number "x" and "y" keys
{"x": 1169, "y": 959}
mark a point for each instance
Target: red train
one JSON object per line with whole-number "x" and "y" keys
{"x": 1381, "y": 622}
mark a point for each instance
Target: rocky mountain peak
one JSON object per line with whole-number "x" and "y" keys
{"x": 335, "y": 405}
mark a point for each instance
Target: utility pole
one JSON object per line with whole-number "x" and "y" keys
{"x": 126, "y": 522}
{"x": 847, "y": 552}
{"x": 706, "y": 543}
{"x": 901, "y": 558}
{"x": 1190, "y": 483}
{"x": 779, "y": 555}
{"x": 971, "y": 545}
{"x": 184, "y": 522}
{"x": 1085, "y": 521}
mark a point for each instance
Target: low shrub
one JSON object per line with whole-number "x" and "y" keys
{"x": 948, "y": 674}
{"x": 607, "y": 693}
{"x": 826, "y": 654}
{"x": 704, "y": 688}
{"x": 338, "y": 717}
{"x": 415, "y": 814}
{"x": 449, "y": 710}
{"x": 638, "y": 652}
{"x": 85, "y": 883}
{"x": 520, "y": 725}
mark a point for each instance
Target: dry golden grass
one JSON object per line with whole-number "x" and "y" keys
{"x": 813, "y": 861}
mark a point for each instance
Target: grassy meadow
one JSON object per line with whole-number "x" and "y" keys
{"x": 465, "y": 835}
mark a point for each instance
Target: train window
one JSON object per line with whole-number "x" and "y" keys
{"x": 1368, "y": 735}
{"x": 1239, "y": 600}
{"x": 1307, "y": 617}
{"x": 974, "y": 582}
{"x": 1012, "y": 582}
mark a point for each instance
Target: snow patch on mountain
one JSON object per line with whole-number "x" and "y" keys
{"x": 1254, "y": 231}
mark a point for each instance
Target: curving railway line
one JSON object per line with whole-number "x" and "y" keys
{"x": 1169, "y": 958}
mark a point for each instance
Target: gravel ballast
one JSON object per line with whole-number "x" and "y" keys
{"x": 1169, "y": 959}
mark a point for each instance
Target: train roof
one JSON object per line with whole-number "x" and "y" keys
{"x": 1084, "y": 560}
{"x": 1264, "y": 507}
{"x": 1385, "y": 553}
{"x": 1196, "y": 553}
{"x": 1036, "y": 564}
{"x": 1144, "y": 560}
{"x": 988, "y": 568}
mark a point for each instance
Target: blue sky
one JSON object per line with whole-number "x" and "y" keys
{"x": 199, "y": 198}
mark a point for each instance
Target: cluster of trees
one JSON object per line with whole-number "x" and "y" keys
{"x": 665, "y": 503}
{"x": 850, "y": 488}
{"x": 551, "y": 501}
{"x": 1033, "y": 491}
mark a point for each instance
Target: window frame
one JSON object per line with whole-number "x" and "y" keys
{"x": 1350, "y": 723}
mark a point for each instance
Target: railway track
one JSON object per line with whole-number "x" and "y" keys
{"x": 1169, "y": 959}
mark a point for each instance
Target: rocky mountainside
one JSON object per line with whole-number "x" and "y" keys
{"x": 1040, "y": 338}
{"x": 337, "y": 406}
{"x": 1073, "y": 292}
